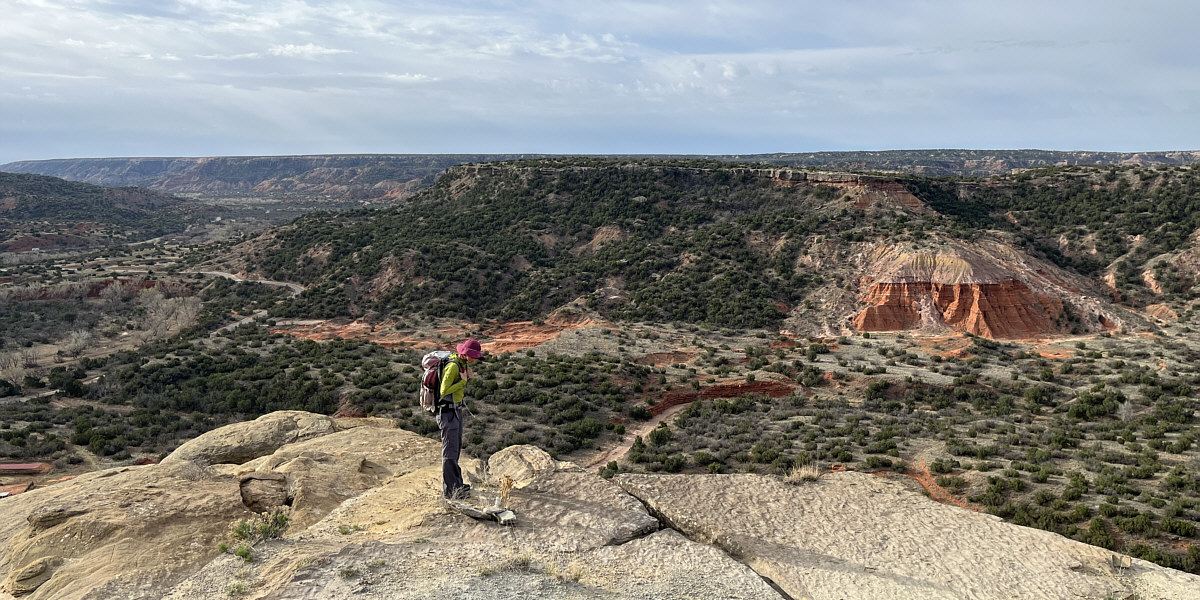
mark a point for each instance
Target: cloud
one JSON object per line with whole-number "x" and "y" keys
{"x": 542, "y": 75}
{"x": 243, "y": 56}
{"x": 409, "y": 77}
{"x": 309, "y": 50}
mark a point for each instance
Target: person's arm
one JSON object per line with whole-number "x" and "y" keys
{"x": 452, "y": 382}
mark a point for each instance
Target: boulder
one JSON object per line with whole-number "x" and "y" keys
{"x": 242, "y": 442}
{"x": 137, "y": 525}
{"x": 264, "y": 491}
{"x": 524, "y": 464}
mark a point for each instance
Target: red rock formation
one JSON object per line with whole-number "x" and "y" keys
{"x": 987, "y": 288}
{"x": 1007, "y": 309}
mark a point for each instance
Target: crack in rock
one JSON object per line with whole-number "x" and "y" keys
{"x": 665, "y": 523}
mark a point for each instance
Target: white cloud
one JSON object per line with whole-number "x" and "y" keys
{"x": 309, "y": 50}
{"x": 461, "y": 75}
{"x": 409, "y": 77}
{"x": 242, "y": 56}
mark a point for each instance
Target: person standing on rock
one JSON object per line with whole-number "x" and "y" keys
{"x": 450, "y": 415}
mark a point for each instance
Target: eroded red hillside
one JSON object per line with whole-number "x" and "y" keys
{"x": 988, "y": 289}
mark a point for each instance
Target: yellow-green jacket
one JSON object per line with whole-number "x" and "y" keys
{"x": 452, "y": 381}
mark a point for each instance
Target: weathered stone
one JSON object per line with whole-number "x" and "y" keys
{"x": 263, "y": 491}
{"x": 525, "y": 464}
{"x": 242, "y": 442}
{"x": 135, "y": 531}
{"x": 852, "y": 535}
{"x": 49, "y": 516}
{"x": 27, "y": 579}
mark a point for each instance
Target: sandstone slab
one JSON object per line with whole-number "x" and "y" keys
{"x": 524, "y": 464}
{"x": 852, "y": 535}
{"x": 242, "y": 442}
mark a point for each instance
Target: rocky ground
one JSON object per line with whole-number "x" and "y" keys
{"x": 366, "y": 521}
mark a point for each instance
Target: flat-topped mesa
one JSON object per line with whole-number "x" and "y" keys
{"x": 987, "y": 290}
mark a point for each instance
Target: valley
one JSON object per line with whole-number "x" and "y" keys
{"x": 1021, "y": 345}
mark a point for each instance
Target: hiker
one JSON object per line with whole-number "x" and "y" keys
{"x": 450, "y": 415}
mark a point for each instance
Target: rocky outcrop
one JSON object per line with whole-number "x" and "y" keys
{"x": 367, "y": 521}
{"x": 988, "y": 289}
{"x": 995, "y": 310}
{"x": 853, "y": 535}
{"x": 241, "y": 442}
{"x": 524, "y": 464}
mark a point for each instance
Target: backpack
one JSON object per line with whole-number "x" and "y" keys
{"x": 431, "y": 379}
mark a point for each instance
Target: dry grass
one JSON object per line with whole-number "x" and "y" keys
{"x": 803, "y": 472}
{"x": 506, "y": 486}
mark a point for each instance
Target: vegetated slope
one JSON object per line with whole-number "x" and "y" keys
{"x": 642, "y": 241}
{"x": 341, "y": 177}
{"x": 393, "y": 176}
{"x": 972, "y": 163}
{"x": 68, "y": 213}
{"x": 708, "y": 242}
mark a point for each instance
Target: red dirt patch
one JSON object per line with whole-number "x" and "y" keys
{"x": 503, "y": 337}
{"x": 16, "y": 488}
{"x": 774, "y": 389}
{"x": 519, "y": 335}
{"x": 920, "y": 474}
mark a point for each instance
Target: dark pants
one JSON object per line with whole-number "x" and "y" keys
{"x": 450, "y": 423}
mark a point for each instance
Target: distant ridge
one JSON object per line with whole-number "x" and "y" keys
{"x": 396, "y": 176}
{"x": 38, "y": 211}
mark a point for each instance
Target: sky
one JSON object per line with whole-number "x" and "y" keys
{"x": 91, "y": 78}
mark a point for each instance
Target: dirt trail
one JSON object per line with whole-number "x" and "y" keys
{"x": 672, "y": 402}
{"x": 618, "y": 452}
{"x": 296, "y": 288}
{"x": 920, "y": 474}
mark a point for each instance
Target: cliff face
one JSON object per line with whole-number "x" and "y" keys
{"x": 995, "y": 310}
{"x": 989, "y": 289}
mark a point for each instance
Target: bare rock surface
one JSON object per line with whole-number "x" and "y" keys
{"x": 134, "y": 529}
{"x": 852, "y": 535}
{"x": 368, "y": 521}
{"x": 242, "y": 442}
{"x": 524, "y": 464}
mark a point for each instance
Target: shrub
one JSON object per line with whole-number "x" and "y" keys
{"x": 803, "y": 472}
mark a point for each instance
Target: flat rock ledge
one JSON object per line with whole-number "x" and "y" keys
{"x": 853, "y": 535}
{"x": 367, "y": 521}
